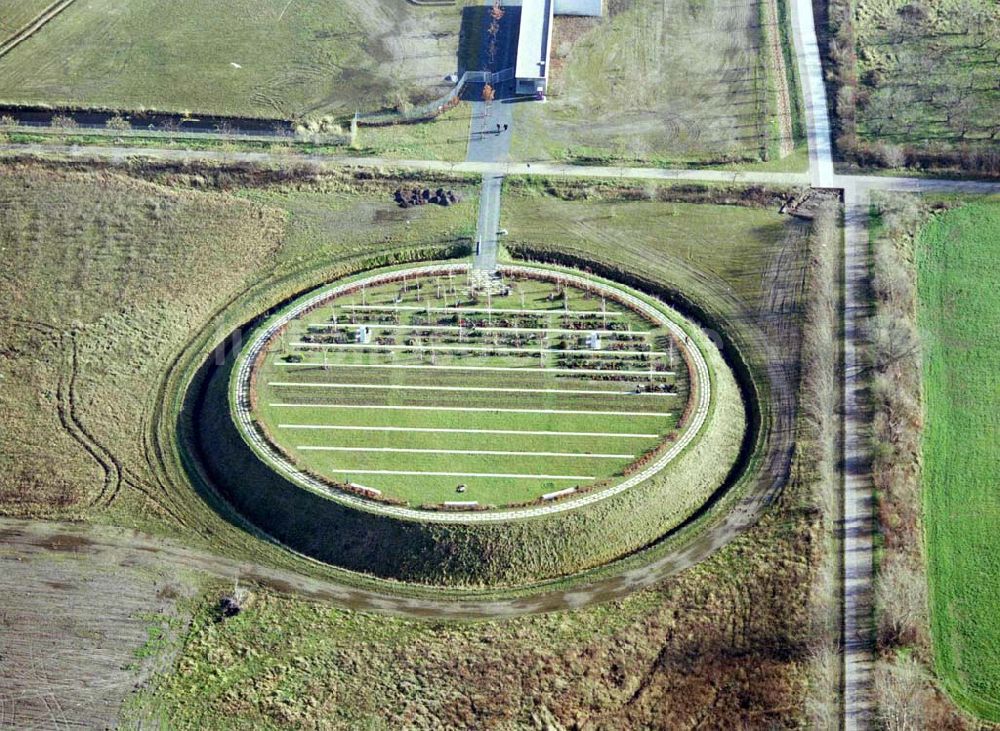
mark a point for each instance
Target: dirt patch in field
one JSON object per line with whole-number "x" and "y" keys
{"x": 81, "y": 629}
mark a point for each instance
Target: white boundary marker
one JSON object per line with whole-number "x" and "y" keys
{"x": 476, "y": 328}
{"x": 503, "y": 475}
{"x": 475, "y": 409}
{"x": 521, "y": 369}
{"x": 480, "y": 310}
{"x": 241, "y": 398}
{"x": 446, "y": 430}
{"x": 475, "y": 349}
{"x": 494, "y": 452}
{"x": 482, "y": 389}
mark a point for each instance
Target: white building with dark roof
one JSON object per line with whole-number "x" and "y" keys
{"x": 534, "y": 42}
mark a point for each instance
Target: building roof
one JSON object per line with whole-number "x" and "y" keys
{"x": 533, "y": 39}
{"x": 592, "y": 8}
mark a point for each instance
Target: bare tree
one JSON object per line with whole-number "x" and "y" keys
{"x": 901, "y": 598}
{"x": 902, "y": 691}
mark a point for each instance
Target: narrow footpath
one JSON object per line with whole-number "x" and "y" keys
{"x": 489, "y": 142}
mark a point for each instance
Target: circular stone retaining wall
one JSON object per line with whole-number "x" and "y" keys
{"x": 490, "y": 548}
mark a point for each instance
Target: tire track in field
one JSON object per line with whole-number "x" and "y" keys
{"x": 108, "y": 461}
{"x": 34, "y": 26}
{"x": 115, "y": 474}
{"x": 66, "y": 405}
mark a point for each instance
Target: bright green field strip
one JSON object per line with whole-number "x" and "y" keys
{"x": 571, "y": 470}
{"x": 958, "y": 259}
{"x": 615, "y": 421}
{"x": 464, "y": 441}
{"x": 528, "y": 378}
{"x": 418, "y": 490}
{"x": 527, "y": 361}
{"x": 357, "y": 416}
{"x": 475, "y": 400}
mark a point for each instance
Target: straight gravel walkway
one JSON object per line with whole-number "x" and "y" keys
{"x": 858, "y": 526}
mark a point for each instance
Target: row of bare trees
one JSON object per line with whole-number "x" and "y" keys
{"x": 933, "y": 102}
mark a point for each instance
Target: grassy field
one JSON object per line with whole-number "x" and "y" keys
{"x": 16, "y": 14}
{"x": 653, "y": 82}
{"x": 266, "y": 58}
{"x": 713, "y": 636}
{"x": 957, "y": 261}
{"x": 446, "y": 137}
{"x": 126, "y": 267}
{"x": 928, "y": 72}
{"x": 316, "y": 381}
{"x": 653, "y": 229}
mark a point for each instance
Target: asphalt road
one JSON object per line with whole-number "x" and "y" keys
{"x": 489, "y": 223}
{"x": 813, "y": 94}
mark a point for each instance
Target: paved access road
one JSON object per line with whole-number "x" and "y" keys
{"x": 813, "y": 93}
{"x": 489, "y": 223}
{"x": 489, "y": 142}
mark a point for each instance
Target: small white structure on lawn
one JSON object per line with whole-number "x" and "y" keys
{"x": 363, "y": 335}
{"x": 534, "y": 41}
{"x": 594, "y": 341}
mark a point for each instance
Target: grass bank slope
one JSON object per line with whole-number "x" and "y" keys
{"x": 959, "y": 315}
{"x": 731, "y": 635}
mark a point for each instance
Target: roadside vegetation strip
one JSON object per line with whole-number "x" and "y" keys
{"x": 484, "y": 409}
{"x": 472, "y": 389}
{"x": 447, "y": 430}
{"x": 502, "y": 475}
{"x": 492, "y": 452}
{"x": 522, "y": 369}
{"x": 701, "y": 386}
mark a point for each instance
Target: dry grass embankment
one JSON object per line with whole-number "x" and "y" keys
{"x": 114, "y": 276}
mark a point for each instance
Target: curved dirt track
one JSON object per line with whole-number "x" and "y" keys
{"x": 149, "y": 550}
